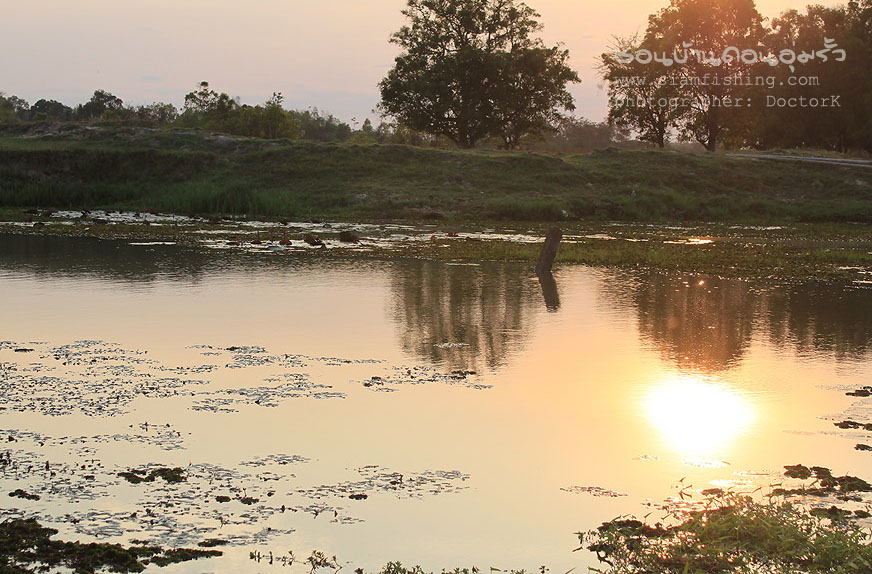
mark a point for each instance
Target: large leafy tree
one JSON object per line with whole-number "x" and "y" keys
{"x": 472, "y": 69}
{"x": 831, "y": 127}
{"x": 532, "y": 93}
{"x": 710, "y": 27}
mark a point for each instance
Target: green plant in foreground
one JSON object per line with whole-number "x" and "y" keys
{"x": 734, "y": 534}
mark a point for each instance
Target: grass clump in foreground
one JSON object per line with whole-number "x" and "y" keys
{"x": 26, "y": 546}
{"x": 734, "y": 534}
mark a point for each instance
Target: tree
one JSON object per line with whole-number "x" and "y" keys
{"x": 205, "y": 105}
{"x": 277, "y": 123}
{"x": 15, "y": 108}
{"x": 706, "y": 28}
{"x": 581, "y": 134}
{"x": 101, "y": 102}
{"x": 366, "y": 134}
{"x": 641, "y": 96}
{"x": 157, "y": 113}
{"x": 318, "y": 126}
{"x": 531, "y": 93}
{"x": 472, "y": 68}
{"x": 796, "y": 127}
{"x": 50, "y": 110}
{"x": 7, "y": 110}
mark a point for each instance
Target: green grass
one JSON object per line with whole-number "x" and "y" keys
{"x": 194, "y": 172}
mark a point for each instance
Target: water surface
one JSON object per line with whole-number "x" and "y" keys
{"x": 487, "y": 416}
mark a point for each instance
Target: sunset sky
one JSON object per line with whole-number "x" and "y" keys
{"x": 329, "y": 53}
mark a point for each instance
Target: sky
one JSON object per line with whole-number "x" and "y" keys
{"x": 329, "y": 54}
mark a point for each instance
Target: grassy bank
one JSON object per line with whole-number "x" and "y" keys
{"x": 192, "y": 172}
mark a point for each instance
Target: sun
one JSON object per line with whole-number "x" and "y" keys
{"x": 696, "y": 416}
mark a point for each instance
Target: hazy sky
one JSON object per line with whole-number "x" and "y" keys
{"x": 325, "y": 53}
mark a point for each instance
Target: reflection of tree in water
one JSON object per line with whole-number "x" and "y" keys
{"x": 704, "y": 326}
{"x": 821, "y": 317}
{"x": 111, "y": 260}
{"x": 709, "y": 326}
{"x": 486, "y": 308}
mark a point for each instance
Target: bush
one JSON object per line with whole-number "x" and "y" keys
{"x": 735, "y": 534}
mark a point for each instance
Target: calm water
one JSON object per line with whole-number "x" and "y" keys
{"x": 299, "y": 382}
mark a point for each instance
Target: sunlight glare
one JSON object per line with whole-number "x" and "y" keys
{"x": 697, "y": 417}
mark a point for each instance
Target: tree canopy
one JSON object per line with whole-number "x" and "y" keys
{"x": 718, "y": 94}
{"x": 472, "y": 69}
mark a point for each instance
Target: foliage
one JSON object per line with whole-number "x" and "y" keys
{"x": 318, "y": 126}
{"x": 840, "y": 128}
{"x": 26, "y": 546}
{"x": 579, "y": 134}
{"x": 472, "y": 69}
{"x": 711, "y": 27}
{"x": 641, "y": 98}
{"x": 734, "y": 534}
{"x": 7, "y": 110}
{"x": 318, "y": 559}
{"x": 207, "y": 109}
{"x": 155, "y": 114}
{"x": 698, "y": 99}
{"x": 207, "y": 104}
{"x": 50, "y": 110}
{"x": 99, "y": 104}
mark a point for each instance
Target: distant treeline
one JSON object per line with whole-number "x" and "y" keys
{"x": 210, "y": 110}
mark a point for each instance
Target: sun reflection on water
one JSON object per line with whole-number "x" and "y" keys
{"x": 696, "y": 416}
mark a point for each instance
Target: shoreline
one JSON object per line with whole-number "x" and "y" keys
{"x": 826, "y": 252}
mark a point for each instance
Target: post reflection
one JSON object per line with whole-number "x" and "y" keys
{"x": 549, "y": 292}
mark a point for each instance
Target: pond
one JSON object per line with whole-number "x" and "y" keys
{"x": 377, "y": 410}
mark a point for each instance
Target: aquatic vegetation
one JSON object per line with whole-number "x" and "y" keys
{"x": 734, "y": 534}
{"x": 854, "y": 425}
{"x": 212, "y": 542}
{"x": 320, "y": 560}
{"x": 421, "y": 375}
{"x": 597, "y": 491}
{"x": 375, "y": 479}
{"x": 137, "y": 476}
{"x": 27, "y": 546}
{"x": 228, "y": 400}
{"x": 95, "y": 378}
{"x": 824, "y": 484}
{"x": 19, "y": 493}
{"x": 800, "y": 250}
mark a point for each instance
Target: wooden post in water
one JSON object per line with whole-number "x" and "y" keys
{"x": 549, "y": 251}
